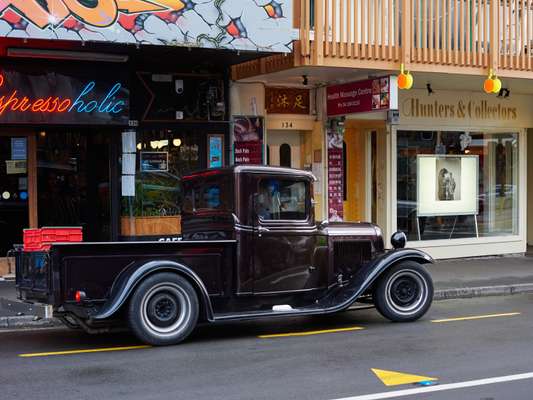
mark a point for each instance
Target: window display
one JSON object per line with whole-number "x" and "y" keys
{"x": 447, "y": 185}
{"x": 153, "y": 206}
{"x": 455, "y": 184}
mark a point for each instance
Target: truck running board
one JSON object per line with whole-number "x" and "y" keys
{"x": 18, "y": 307}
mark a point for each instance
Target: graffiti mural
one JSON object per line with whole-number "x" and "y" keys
{"x": 234, "y": 24}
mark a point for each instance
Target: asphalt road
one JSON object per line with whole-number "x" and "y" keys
{"x": 233, "y": 361}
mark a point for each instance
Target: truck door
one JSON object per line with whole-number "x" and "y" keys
{"x": 285, "y": 236}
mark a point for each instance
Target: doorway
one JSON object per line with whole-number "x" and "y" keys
{"x": 14, "y": 190}
{"x": 286, "y": 148}
{"x": 73, "y": 177}
{"x": 365, "y": 166}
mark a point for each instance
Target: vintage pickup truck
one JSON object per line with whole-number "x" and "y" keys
{"x": 251, "y": 248}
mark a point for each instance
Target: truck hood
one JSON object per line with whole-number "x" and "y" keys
{"x": 354, "y": 231}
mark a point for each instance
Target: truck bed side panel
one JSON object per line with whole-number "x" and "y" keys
{"x": 93, "y": 268}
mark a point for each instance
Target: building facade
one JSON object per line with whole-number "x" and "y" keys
{"x": 103, "y": 109}
{"x": 444, "y": 162}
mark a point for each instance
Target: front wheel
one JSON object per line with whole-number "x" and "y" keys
{"x": 163, "y": 309}
{"x": 404, "y": 293}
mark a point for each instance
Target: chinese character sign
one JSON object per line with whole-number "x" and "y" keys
{"x": 248, "y": 140}
{"x": 234, "y": 24}
{"x": 335, "y": 173}
{"x": 287, "y": 101}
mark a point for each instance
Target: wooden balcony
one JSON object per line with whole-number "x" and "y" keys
{"x": 445, "y": 36}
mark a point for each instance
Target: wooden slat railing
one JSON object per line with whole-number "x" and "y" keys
{"x": 475, "y": 34}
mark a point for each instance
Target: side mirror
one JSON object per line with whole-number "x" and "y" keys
{"x": 398, "y": 240}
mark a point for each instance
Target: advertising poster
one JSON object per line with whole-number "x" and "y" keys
{"x": 335, "y": 173}
{"x": 216, "y": 151}
{"x": 447, "y": 185}
{"x": 19, "y": 148}
{"x": 248, "y": 140}
{"x": 379, "y": 94}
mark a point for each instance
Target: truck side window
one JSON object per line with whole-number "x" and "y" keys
{"x": 282, "y": 200}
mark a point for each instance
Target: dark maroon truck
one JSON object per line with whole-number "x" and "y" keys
{"x": 251, "y": 249}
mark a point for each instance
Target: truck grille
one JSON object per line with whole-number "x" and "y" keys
{"x": 349, "y": 255}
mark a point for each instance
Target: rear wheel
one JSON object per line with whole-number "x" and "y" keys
{"x": 163, "y": 310}
{"x": 404, "y": 293}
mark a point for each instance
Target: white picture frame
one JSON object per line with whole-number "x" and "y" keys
{"x": 447, "y": 185}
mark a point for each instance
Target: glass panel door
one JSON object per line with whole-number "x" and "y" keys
{"x": 73, "y": 181}
{"x": 13, "y": 190}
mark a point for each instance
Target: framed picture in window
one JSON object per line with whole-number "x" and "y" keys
{"x": 447, "y": 185}
{"x": 215, "y": 150}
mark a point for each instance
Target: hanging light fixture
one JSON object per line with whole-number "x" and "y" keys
{"x": 492, "y": 84}
{"x": 405, "y": 80}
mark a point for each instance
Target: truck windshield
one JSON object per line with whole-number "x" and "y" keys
{"x": 208, "y": 194}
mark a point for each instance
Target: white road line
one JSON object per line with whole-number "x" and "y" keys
{"x": 440, "y": 388}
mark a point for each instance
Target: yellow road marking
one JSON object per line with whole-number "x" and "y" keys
{"x": 475, "y": 317}
{"x": 69, "y": 352}
{"x": 393, "y": 378}
{"x": 308, "y": 333}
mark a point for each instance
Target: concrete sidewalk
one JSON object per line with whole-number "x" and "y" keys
{"x": 490, "y": 276}
{"x": 459, "y": 278}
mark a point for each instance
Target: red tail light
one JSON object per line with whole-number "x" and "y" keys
{"x": 79, "y": 296}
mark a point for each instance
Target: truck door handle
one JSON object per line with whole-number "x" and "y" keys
{"x": 262, "y": 230}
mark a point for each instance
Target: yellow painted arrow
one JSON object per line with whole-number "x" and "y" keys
{"x": 393, "y": 378}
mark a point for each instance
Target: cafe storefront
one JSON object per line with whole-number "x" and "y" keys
{"x": 57, "y": 126}
{"x": 104, "y": 152}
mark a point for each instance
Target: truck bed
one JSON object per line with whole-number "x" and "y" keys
{"x": 53, "y": 277}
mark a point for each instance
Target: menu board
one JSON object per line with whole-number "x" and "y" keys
{"x": 335, "y": 174}
{"x": 248, "y": 140}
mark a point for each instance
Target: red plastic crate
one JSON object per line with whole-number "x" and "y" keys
{"x": 32, "y": 240}
{"x": 61, "y": 234}
{"x": 41, "y": 239}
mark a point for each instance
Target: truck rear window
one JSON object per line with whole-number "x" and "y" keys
{"x": 205, "y": 194}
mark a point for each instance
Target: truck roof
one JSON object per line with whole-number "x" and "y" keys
{"x": 238, "y": 169}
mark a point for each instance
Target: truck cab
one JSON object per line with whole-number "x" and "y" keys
{"x": 251, "y": 248}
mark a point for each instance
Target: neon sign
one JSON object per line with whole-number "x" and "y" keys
{"x": 83, "y": 103}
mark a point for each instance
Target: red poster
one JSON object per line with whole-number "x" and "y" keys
{"x": 248, "y": 140}
{"x": 335, "y": 175}
{"x": 363, "y": 96}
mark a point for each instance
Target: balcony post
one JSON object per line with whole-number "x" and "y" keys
{"x": 406, "y": 33}
{"x": 318, "y": 42}
{"x": 494, "y": 56}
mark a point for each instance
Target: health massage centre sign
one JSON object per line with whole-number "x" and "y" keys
{"x": 58, "y": 98}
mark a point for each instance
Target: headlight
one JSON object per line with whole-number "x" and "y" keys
{"x": 398, "y": 240}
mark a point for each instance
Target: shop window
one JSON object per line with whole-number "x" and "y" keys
{"x": 453, "y": 185}
{"x": 154, "y": 203}
{"x": 285, "y": 155}
{"x": 281, "y": 200}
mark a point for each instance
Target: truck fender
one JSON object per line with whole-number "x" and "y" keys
{"x": 370, "y": 272}
{"x": 131, "y": 276}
